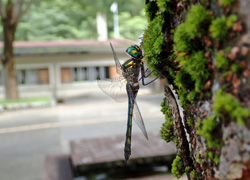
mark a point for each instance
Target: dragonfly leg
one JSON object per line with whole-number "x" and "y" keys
{"x": 145, "y": 84}
{"x": 143, "y": 77}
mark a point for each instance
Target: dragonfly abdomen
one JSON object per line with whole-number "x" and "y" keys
{"x": 127, "y": 149}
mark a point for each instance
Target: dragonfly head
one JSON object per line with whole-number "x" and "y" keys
{"x": 134, "y": 51}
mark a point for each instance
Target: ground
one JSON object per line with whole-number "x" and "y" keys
{"x": 27, "y": 136}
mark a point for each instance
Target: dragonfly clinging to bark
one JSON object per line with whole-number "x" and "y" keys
{"x": 128, "y": 80}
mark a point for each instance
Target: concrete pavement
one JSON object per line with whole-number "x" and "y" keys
{"x": 27, "y": 136}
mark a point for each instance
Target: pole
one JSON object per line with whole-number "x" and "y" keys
{"x": 114, "y": 9}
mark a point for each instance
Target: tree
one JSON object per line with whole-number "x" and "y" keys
{"x": 132, "y": 26}
{"x": 11, "y": 13}
{"x": 202, "y": 49}
{"x": 78, "y": 21}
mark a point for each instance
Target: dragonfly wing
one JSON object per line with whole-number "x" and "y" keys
{"x": 136, "y": 112}
{"x": 115, "y": 88}
{"x": 117, "y": 62}
{"x": 138, "y": 119}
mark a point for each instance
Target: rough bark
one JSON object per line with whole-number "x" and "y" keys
{"x": 179, "y": 130}
{"x": 216, "y": 105}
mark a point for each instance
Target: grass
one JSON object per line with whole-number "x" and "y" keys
{"x": 26, "y": 101}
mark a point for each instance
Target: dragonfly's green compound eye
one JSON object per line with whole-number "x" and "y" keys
{"x": 134, "y": 51}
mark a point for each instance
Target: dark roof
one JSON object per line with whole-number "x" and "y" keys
{"x": 68, "y": 46}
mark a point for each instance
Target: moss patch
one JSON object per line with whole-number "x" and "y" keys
{"x": 221, "y": 60}
{"x": 197, "y": 18}
{"x": 209, "y": 130}
{"x": 219, "y": 29}
{"x": 150, "y": 10}
{"x": 165, "y": 5}
{"x": 153, "y": 42}
{"x": 228, "y": 107}
{"x": 190, "y": 54}
{"x": 177, "y": 167}
{"x": 231, "y": 20}
{"x": 167, "y": 129}
{"x": 226, "y": 2}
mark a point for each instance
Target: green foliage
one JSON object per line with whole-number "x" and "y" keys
{"x": 219, "y": 29}
{"x": 226, "y": 2}
{"x": 177, "y": 167}
{"x": 167, "y": 129}
{"x": 209, "y": 130}
{"x": 53, "y": 20}
{"x": 63, "y": 19}
{"x": 228, "y": 107}
{"x": 221, "y": 60}
{"x": 231, "y": 20}
{"x": 131, "y": 26}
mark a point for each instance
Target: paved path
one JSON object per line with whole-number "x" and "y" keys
{"x": 27, "y": 136}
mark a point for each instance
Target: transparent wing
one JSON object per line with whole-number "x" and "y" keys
{"x": 138, "y": 119}
{"x": 136, "y": 113}
{"x": 115, "y": 88}
{"x": 117, "y": 62}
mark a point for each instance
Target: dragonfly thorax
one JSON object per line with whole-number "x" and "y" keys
{"x": 132, "y": 63}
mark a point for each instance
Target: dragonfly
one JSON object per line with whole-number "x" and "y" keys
{"x": 128, "y": 83}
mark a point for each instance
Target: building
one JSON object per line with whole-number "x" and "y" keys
{"x": 62, "y": 69}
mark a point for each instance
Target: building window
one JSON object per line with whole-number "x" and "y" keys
{"x": 83, "y": 74}
{"x": 33, "y": 76}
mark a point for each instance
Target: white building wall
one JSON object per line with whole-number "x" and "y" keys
{"x": 54, "y": 63}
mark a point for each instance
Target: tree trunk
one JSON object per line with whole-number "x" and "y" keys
{"x": 10, "y": 81}
{"x": 204, "y": 55}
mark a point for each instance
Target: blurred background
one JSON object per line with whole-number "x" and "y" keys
{"x": 61, "y": 48}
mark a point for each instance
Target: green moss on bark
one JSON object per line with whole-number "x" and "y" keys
{"x": 167, "y": 129}
{"x": 228, "y": 107}
{"x": 177, "y": 167}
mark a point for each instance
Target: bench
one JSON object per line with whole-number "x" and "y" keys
{"x": 58, "y": 167}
